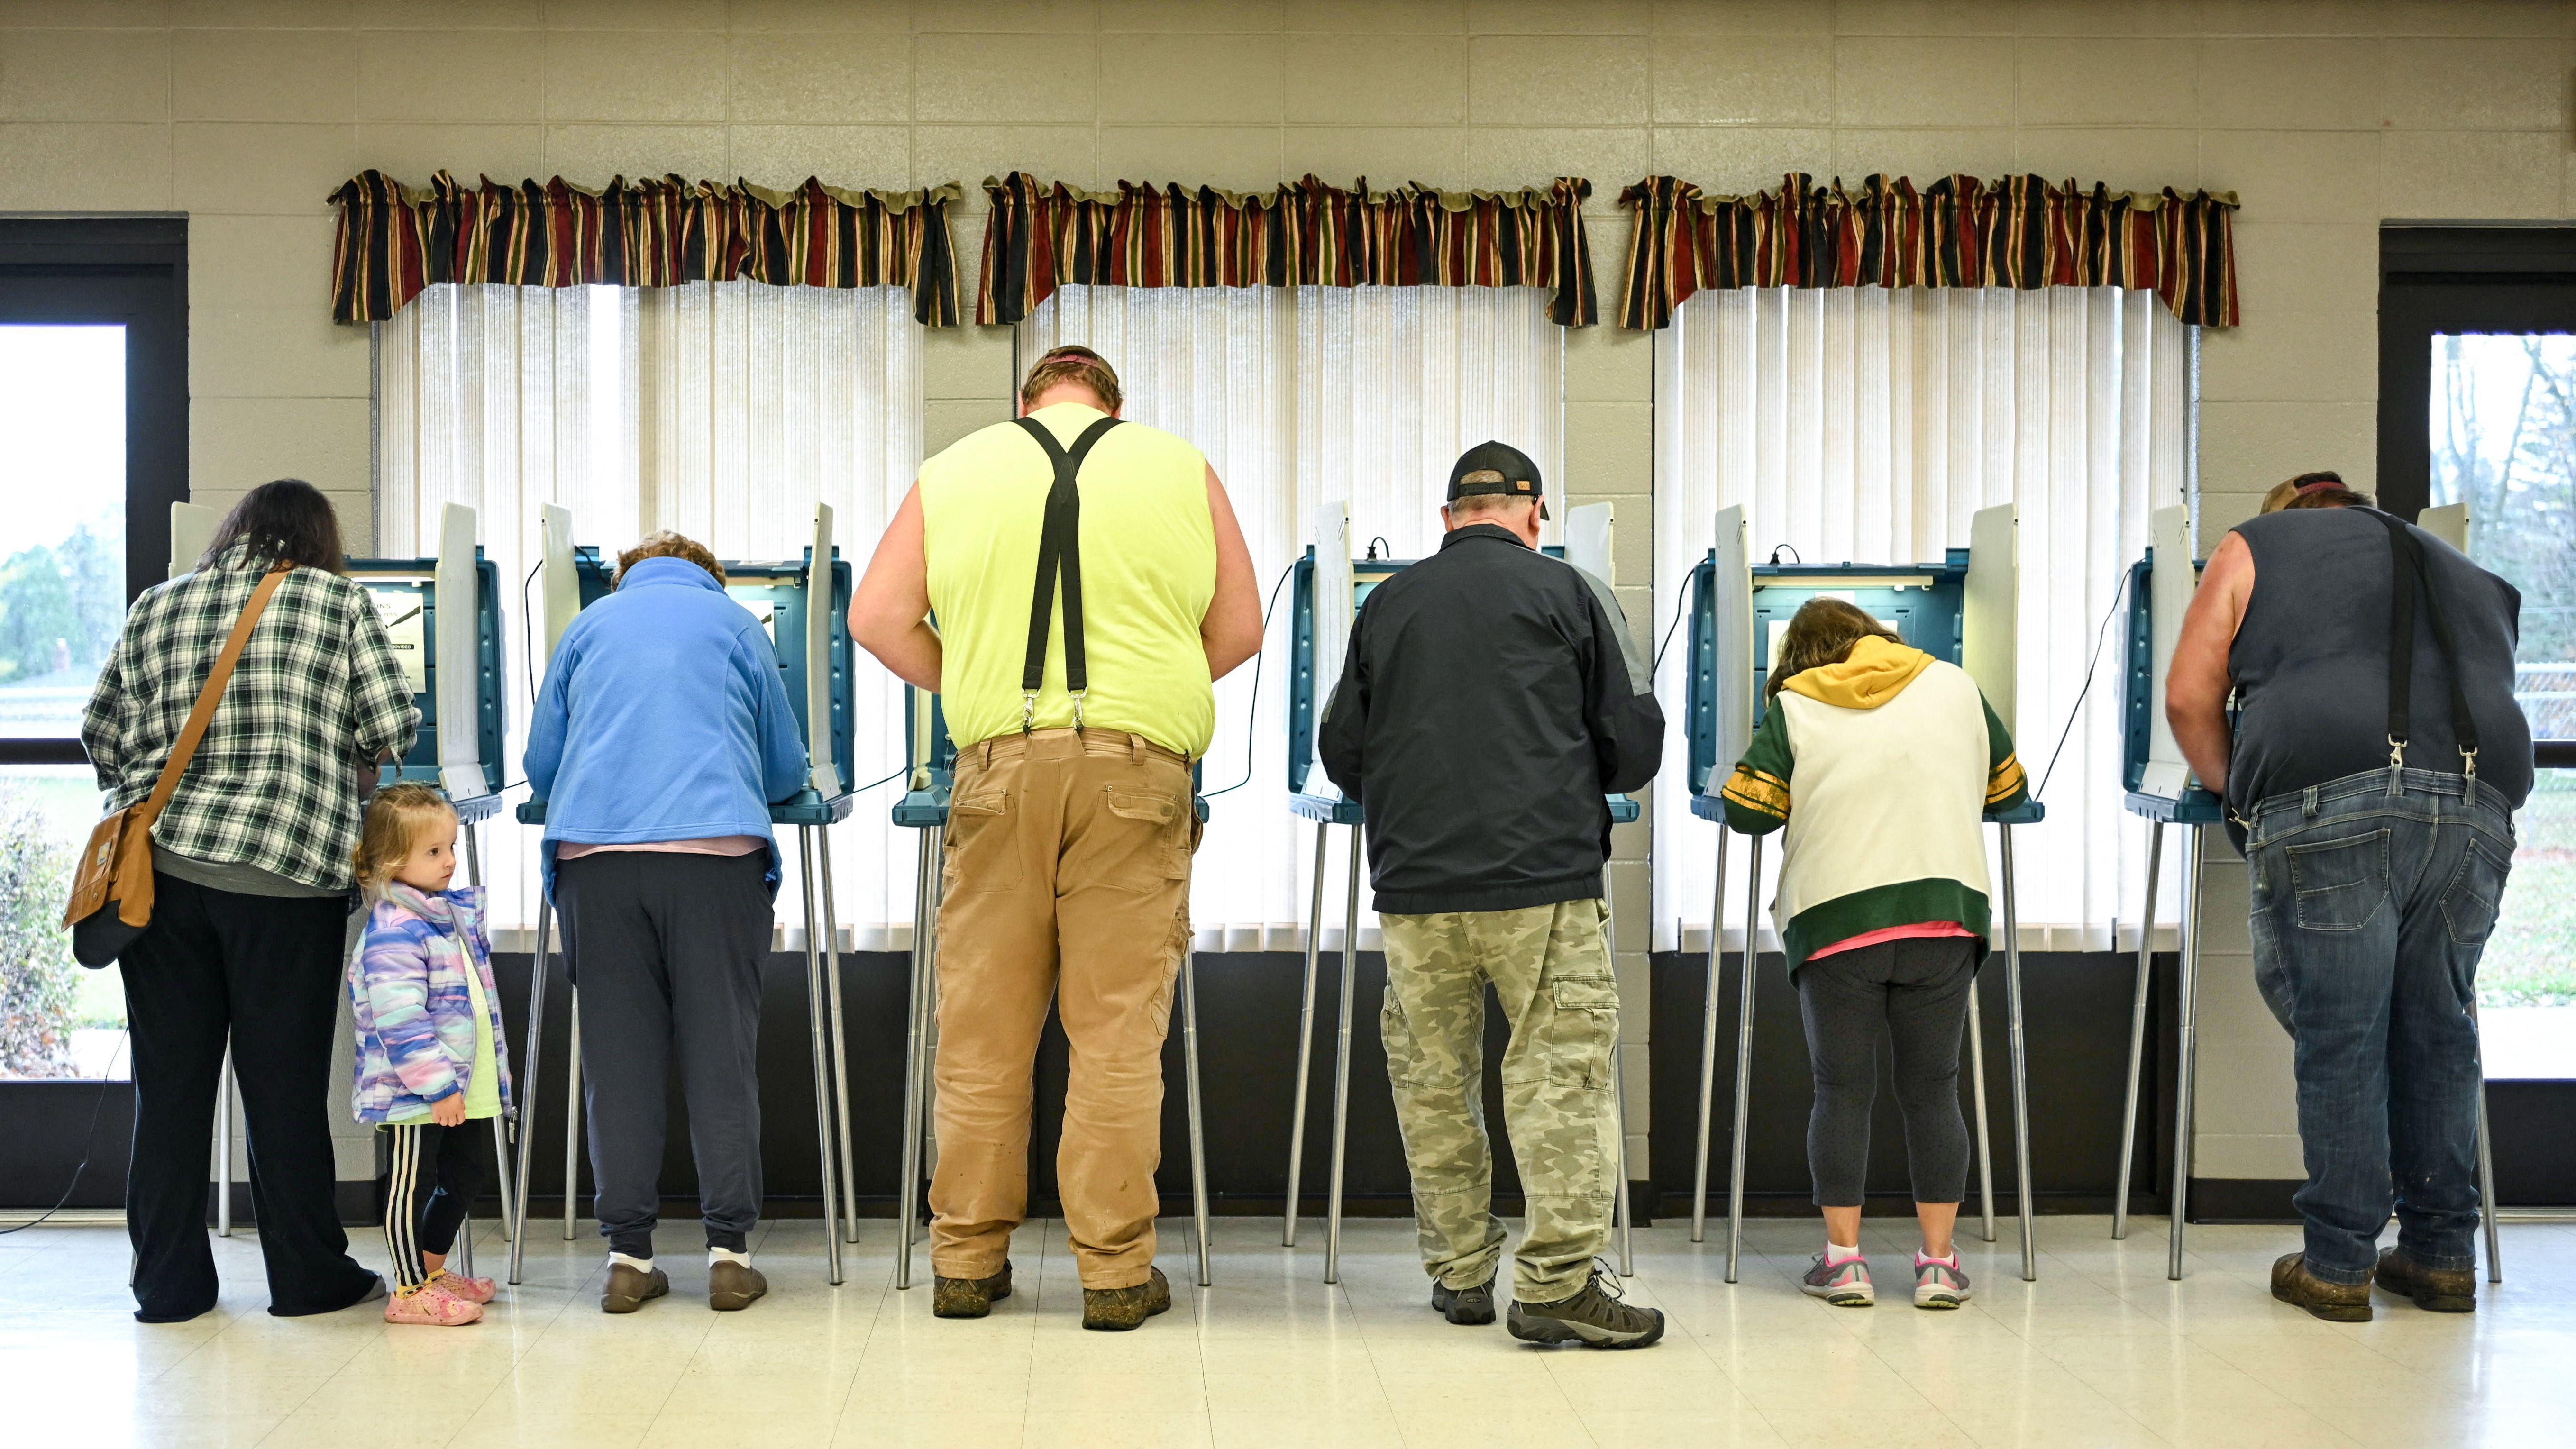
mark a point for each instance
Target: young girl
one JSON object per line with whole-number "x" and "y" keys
{"x": 1893, "y": 758}
{"x": 430, "y": 1069}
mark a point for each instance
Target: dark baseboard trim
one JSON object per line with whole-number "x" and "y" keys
{"x": 2244, "y": 1199}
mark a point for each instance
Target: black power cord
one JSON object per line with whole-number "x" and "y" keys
{"x": 2101, "y": 636}
{"x": 1252, "y": 712}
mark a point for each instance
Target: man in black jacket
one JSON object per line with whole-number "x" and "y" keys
{"x": 1489, "y": 697}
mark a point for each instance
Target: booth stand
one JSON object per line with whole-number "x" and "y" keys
{"x": 805, "y": 604}
{"x": 2159, "y": 788}
{"x": 1319, "y": 632}
{"x": 924, "y": 807}
{"x": 1961, "y": 610}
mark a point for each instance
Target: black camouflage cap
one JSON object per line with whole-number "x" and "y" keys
{"x": 1491, "y": 467}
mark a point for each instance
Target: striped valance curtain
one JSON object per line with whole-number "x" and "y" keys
{"x": 2019, "y": 232}
{"x": 1040, "y": 237}
{"x": 655, "y": 232}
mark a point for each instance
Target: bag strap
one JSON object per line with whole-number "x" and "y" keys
{"x": 1059, "y": 544}
{"x": 203, "y": 714}
{"x": 2412, "y": 571}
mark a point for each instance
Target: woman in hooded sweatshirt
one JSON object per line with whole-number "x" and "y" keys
{"x": 1893, "y": 758}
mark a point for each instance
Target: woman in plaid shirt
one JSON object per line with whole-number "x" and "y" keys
{"x": 252, "y": 888}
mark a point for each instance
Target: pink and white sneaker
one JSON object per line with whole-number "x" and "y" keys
{"x": 457, "y": 1285}
{"x": 431, "y": 1306}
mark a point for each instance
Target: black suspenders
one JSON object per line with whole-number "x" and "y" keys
{"x": 2406, "y": 556}
{"x": 1059, "y": 540}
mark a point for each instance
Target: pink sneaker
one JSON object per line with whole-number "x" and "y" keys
{"x": 428, "y": 1304}
{"x": 457, "y": 1285}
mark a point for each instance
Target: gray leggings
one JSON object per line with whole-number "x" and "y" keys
{"x": 1914, "y": 992}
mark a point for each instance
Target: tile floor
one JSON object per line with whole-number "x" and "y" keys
{"x": 2102, "y": 1351}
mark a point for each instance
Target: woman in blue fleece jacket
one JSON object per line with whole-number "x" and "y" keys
{"x": 661, "y": 736}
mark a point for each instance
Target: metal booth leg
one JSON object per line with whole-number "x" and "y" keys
{"x": 2187, "y": 1009}
{"x": 2020, "y": 1067}
{"x": 1977, "y": 1093}
{"x": 1708, "y": 1046}
{"x": 1618, "y": 1092}
{"x": 915, "y": 1048}
{"x": 1198, "y": 1126}
{"x": 1744, "y": 982}
{"x": 572, "y": 1122}
{"x": 1305, "y": 1043}
{"x": 1342, "y": 1067}
{"x": 528, "y": 1081}
{"x": 2486, "y": 1177}
{"x": 815, "y": 1010}
{"x": 2137, "y": 1034}
{"x": 223, "y": 1154}
{"x": 840, "y": 1039}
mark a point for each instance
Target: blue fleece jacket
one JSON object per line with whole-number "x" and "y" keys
{"x": 663, "y": 717}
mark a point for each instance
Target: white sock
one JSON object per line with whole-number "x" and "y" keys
{"x": 717, "y": 1255}
{"x": 640, "y": 1265}
{"x": 1836, "y": 1252}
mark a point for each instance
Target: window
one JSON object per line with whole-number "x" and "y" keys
{"x": 1866, "y": 425}
{"x": 1302, "y": 396}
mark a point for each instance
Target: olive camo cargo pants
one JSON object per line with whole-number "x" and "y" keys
{"x": 1551, "y": 967}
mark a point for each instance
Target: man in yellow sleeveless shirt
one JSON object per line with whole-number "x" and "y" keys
{"x": 1089, "y": 584}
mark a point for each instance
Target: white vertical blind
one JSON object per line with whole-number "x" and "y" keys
{"x": 723, "y": 410}
{"x": 1301, "y": 397}
{"x": 1867, "y": 425}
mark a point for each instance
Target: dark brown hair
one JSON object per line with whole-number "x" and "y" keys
{"x": 1822, "y": 632}
{"x": 2324, "y": 489}
{"x": 285, "y": 521}
{"x": 1074, "y": 364}
{"x": 666, "y": 544}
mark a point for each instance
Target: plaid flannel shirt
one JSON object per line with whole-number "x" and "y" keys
{"x": 316, "y": 695}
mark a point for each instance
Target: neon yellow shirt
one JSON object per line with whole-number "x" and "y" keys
{"x": 1148, "y": 575}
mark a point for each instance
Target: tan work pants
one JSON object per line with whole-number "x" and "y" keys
{"x": 1067, "y": 878}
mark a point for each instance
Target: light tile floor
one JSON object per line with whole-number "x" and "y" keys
{"x": 2101, "y": 1351}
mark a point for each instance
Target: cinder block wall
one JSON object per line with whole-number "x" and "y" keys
{"x": 2327, "y": 115}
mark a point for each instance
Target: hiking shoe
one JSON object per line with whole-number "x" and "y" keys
{"x": 1940, "y": 1285}
{"x": 429, "y": 1305}
{"x": 1845, "y": 1284}
{"x": 1117, "y": 1310}
{"x": 1464, "y": 1305}
{"x": 457, "y": 1285}
{"x": 2293, "y": 1284}
{"x": 732, "y": 1286}
{"x": 2435, "y": 1290}
{"x": 969, "y": 1297}
{"x": 1597, "y": 1317}
{"x": 629, "y": 1288}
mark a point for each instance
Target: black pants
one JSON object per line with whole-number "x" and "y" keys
{"x": 437, "y": 1173}
{"x": 1914, "y": 994}
{"x": 267, "y": 972}
{"x": 666, "y": 950}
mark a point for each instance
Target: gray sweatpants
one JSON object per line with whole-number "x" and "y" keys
{"x": 1913, "y": 993}
{"x": 666, "y": 950}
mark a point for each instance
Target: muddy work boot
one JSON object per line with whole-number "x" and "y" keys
{"x": 1596, "y": 1318}
{"x": 2293, "y": 1284}
{"x": 2435, "y": 1290}
{"x": 629, "y": 1288}
{"x": 969, "y": 1297}
{"x": 1116, "y": 1310}
{"x": 1464, "y": 1305}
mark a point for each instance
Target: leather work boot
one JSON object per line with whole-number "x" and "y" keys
{"x": 1596, "y": 1318}
{"x": 2435, "y": 1290}
{"x": 1117, "y": 1310}
{"x": 629, "y": 1288}
{"x": 731, "y": 1287}
{"x": 1464, "y": 1305}
{"x": 969, "y": 1297}
{"x": 2293, "y": 1284}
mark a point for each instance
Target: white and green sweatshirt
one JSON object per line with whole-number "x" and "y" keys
{"x": 1893, "y": 758}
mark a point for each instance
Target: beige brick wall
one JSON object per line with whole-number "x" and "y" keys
{"x": 2327, "y": 115}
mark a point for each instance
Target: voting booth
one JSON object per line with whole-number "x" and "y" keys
{"x": 1327, "y": 588}
{"x": 803, "y": 605}
{"x": 442, "y": 616}
{"x": 931, "y": 758}
{"x": 1963, "y": 610}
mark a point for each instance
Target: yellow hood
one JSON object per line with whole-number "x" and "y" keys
{"x": 1874, "y": 673}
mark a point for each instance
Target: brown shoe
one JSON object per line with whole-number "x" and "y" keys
{"x": 629, "y": 1288}
{"x": 969, "y": 1297}
{"x": 2293, "y": 1284}
{"x": 2435, "y": 1290}
{"x": 1117, "y": 1310}
{"x": 731, "y": 1287}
